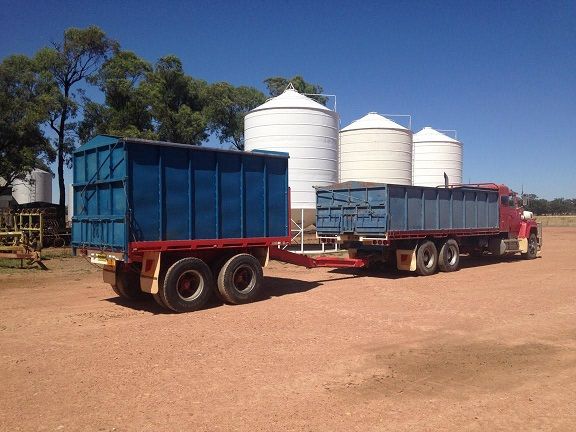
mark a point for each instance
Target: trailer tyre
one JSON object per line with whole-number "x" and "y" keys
{"x": 449, "y": 256}
{"x": 532, "y": 247}
{"x": 128, "y": 285}
{"x": 240, "y": 279}
{"x": 187, "y": 285}
{"x": 426, "y": 259}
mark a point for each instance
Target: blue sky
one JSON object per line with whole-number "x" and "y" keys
{"x": 502, "y": 73}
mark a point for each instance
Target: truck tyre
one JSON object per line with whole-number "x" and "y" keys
{"x": 426, "y": 259}
{"x": 532, "y": 247}
{"x": 240, "y": 279}
{"x": 449, "y": 256}
{"x": 128, "y": 285}
{"x": 159, "y": 301}
{"x": 187, "y": 285}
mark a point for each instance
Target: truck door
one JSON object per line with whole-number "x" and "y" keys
{"x": 509, "y": 214}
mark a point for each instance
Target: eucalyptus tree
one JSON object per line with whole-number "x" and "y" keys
{"x": 24, "y": 105}
{"x": 67, "y": 64}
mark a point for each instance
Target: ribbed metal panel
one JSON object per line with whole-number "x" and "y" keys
{"x": 308, "y": 131}
{"x": 434, "y": 155}
{"x": 376, "y": 149}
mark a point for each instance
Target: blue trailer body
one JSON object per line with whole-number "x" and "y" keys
{"x": 131, "y": 190}
{"x": 381, "y": 210}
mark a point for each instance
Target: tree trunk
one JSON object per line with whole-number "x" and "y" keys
{"x": 61, "y": 136}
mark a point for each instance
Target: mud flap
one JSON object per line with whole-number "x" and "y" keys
{"x": 109, "y": 275}
{"x": 150, "y": 272}
{"x": 523, "y": 245}
{"x": 262, "y": 254}
{"x": 406, "y": 259}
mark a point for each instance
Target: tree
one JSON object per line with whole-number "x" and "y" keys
{"x": 227, "y": 107}
{"x": 66, "y": 64}
{"x": 23, "y": 108}
{"x": 277, "y": 85}
{"x": 177, "y": 102}
{"x": 126, "y": 111}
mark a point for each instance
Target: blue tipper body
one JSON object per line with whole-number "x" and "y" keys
{"x": 128, "y": 190}
{"x": 374, "y": 209}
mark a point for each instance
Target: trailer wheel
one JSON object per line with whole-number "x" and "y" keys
{"x": 240, "y": 279}
{"x": 532, "y": 247}
{"x": 187, "y": 285}
{"x": 128, "y": 285}
{"x": 426, "y": 259}
{"x": 449, "y": 256}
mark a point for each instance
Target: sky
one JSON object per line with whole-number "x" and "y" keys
{"x": 501, "y": 73}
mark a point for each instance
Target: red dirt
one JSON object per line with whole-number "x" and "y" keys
{"x": 490, "y": 347}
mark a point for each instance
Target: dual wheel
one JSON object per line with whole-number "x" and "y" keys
{"x": 189, "y": 283}
{"x": 428, "y": 259}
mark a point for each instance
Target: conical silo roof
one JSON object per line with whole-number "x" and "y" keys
{"x": 373, "y": 120}
{"x": 429, "y": 134}
{"x": 292, "y": 99}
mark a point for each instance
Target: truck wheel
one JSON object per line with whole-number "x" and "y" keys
{"x": 426, "y": 259}
{"x": 532, "y": 247}
{"x": 187, "y": 285}
{"x": 159, "y": 301}
{"x": 240, "y": 279}
{"x": 128, "y": 285}
{"x": 449, "y": 256}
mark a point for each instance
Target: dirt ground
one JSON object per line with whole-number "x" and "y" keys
{"x": 490, "y": 347}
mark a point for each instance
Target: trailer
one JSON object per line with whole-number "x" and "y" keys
{"x": 424, "y": 229}
{"x": 174, "y": 220}
{"x": 182, "y": 222}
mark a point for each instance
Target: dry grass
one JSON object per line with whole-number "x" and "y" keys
{"x": 557, "y": 221}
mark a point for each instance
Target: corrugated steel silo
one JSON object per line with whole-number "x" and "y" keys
{"x": 434, "y": 155}
{"x": 308, "y": 131}
{"x": 36, "y": 187}
{"x": 376, "y": 149}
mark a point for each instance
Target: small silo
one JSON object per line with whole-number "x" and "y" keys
{"x": 308, "y": 131}
{"x": 36, "y": 187}
{"x": 435, "y": 154}
{"x": 376, "y": 149}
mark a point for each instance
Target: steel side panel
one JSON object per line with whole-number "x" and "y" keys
{"x": 134, "y": 192}
{"x": 399, "y": 211}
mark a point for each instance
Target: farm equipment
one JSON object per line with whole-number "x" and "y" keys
{"x": 180, "y": 222}
{"x": 22, "y": 235}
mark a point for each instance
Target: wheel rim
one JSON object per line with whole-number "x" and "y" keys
{"x": 532, "y": 246}
{"x": 428, "y": 258}
{"x": 452, "y": 255}
{"x": 243, "y": 279}
{"x": 190, "y": 285}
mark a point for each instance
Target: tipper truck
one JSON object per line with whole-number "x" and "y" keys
{"x": 183, "y": 222}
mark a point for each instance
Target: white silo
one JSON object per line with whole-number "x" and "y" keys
{"x": 36, "y": 187}
{"x": 376, "y": 149}
{"x": 435, "y": 154}
{"x": 308, "y": 131}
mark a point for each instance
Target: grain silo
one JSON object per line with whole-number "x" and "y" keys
{"x": 36, "y": 187}
{"x": 434, "y": 155}
{"x": 376, "y": 149}
{"x": 308, "y": 131}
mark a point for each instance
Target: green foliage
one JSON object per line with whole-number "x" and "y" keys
{"x": 159, "y": 102}
{"x": 558, "y": 206}
{"x": 24, "y": 105}
{"x": 227, "y": 107}
{"x": 126, "y": 109}
{"x": 77, "y": 57}
{"x": 277, "y": 85}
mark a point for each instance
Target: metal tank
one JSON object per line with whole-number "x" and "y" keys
{"x": 308, "y": 131}
{"x": 36, "y": 187}
{"x": 435, "y": 154}
{"x": 376, "y": 149}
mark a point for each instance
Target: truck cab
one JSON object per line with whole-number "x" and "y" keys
{"x": 518, "y": 228}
